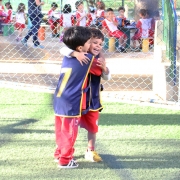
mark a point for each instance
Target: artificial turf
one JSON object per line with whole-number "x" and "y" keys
{"x": 136, "y": 142}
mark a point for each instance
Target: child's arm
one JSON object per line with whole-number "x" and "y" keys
{"x": 115, "y": 22}
{"x": 65, "y": 51}
{"x": 105, "y": 70}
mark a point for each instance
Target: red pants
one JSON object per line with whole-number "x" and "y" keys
{"x": 89, "y": 121}
{"x": 66, "y": 130}
{"x": 53, "y": 26}
{"x": 117, "y": 34}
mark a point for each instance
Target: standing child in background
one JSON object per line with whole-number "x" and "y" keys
{"x": 69, "y": 95}
{"x": 20, "y": 20}
{"x": 52, "y": 20}
{"x": 80, "y": 14}
{"x": 66, "y": 19}
{"x": 100, "y": 13}
{"x": 109, "y": 25}
{"x": 8, "y": 18}
{"x": 91, "y": 16}
{"x": 143, "y": 28}
{"x": 90, "y": 118}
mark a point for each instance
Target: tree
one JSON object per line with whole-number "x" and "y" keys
{"x": 150, "y": 5}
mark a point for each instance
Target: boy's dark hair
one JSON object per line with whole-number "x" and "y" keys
{"x": 156, "y": 14}
{"x": 67, "y": 9}
{"x": 121, "y": 8}
{"x": 101, "y": 5}
{"x": 55, "y": 5}
{"x": 143, "y": 12}
{"x": 21, "y": 7}
{"x": 96, "y": 33}
{"x": 92, "y": 9}
{"x": 8, "y": 3}
{"x": 109, "y": 9}
{"x": 76, "y": 36}
{"x": 78, "y": 3}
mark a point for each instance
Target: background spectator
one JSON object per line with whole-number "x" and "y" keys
{"x": 66, "y": 19}
{"x": 109, "y": 25}
{"x": 53, "y": 21}
{"x": 35, "y": 15}
{"x": 20, "y": 20}
{"x": 8, "y": 18}
{"x": 80, "y": 14}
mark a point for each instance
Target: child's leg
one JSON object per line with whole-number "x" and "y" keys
{"x": 66, "y": 130}
{"x": 91, "y": 141}
{"x": 124, "y": 41}
{"x": 134, "y": 43}
{"x": 89, "y": 121}
{"x": 58, "y": 27}
{"x": 20, "y": 33}
{"x": 54, "y": 28}
{"x": 120, "y": 41}
{"x": 140, "y": 43}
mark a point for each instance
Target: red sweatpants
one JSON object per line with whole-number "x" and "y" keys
{"x": 66, "y": 130}
{"x": 53, "y": 26}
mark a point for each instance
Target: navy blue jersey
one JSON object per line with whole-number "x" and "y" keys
{"x": 69, "y": 92}
{"x": 33, "y": 9}
{"x": 95, "y": 84}
{"x": 93, "y": 100}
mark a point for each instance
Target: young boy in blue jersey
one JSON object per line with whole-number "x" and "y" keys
{"x": 68, "y": 95}
{"x": 89, "y": 119}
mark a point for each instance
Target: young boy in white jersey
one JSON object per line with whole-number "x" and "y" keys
{"x": 109, "y": 25}
{"x": 80, "y": 14}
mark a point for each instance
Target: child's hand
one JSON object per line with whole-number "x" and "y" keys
{"x": 81, "y": 57}
{"x": 102, "y": 64}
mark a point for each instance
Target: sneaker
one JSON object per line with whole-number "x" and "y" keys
{"x": 93, "y": 156}
{"x": 71, "y": 164}
{"x": 39, "y": 46}
{"x": 57, "y": 160}
{"x": 24, "y": 42}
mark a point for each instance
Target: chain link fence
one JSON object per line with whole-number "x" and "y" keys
{"x": 143, "y": 73}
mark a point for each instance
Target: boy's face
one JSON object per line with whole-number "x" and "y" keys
{"x": 80, "y": 7}
{"x": 110, "y": 15}
{"x": 53, "y": 8}
{"x": 121, "y": 13}
{"x": 86, "y": 46}
{"x": 96, "y": 46}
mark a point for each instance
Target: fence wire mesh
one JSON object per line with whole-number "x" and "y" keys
{"x": 143, "y": 73}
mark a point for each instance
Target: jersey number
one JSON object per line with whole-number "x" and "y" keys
{"x": 67, "y": 73}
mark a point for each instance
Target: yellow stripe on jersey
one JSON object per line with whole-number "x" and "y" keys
{"x": 67, "y": 74}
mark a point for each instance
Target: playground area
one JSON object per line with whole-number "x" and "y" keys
{"x": 139, "y": 125}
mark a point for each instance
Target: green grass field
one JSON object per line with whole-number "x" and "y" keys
{"x": 135, "y": 142}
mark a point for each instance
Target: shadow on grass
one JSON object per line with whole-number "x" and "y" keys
{"x": 160, "y": 161}
{"x": 13, "y": 128}
{"x": 139, "y": 119}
